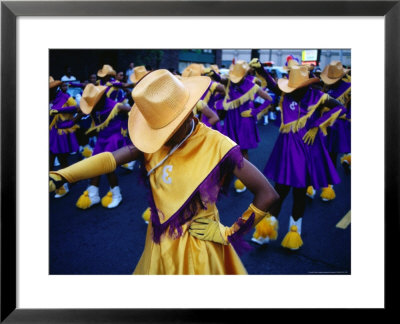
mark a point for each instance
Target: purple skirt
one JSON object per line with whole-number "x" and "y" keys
{"x": 61, "y": 144}
{"x": 241, "y": 130}
{"x": 338, "y": 139}
{"x": 110, "y": 139}
{"x": 296, "y": 164}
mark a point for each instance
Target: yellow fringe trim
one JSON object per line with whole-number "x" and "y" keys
{"x": 262, "y": 79}
{"x": 263, "y": 112}
{"x": 67, "y": 130}
{"x": 292, "y": 240}
{"x": 124, "y": 132}
{"x": 249, "y": 95}
{"x": 100, "y": 127}
{"x": 296, "y": 125}
{"x": 329, "y": 122}
{"x": 210, "y": 91}
{"x": 107, "y": 199}
{"x": 84, "y": 201}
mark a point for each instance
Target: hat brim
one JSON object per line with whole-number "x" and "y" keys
{"x": 150, "y": 140}
{"x": 136, "y": 80}
{"x": 86, "y": 107}
{"x": 324, "y": 76}
{"x": 102, "y": 74}
{"x": 283, "y": 84}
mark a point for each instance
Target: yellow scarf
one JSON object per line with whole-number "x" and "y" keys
{"x": 177, "y": 181}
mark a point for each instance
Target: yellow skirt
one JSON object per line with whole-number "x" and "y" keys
{"x": 188, "y": 255}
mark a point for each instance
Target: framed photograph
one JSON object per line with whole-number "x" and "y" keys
{"x": 41, "y": 278}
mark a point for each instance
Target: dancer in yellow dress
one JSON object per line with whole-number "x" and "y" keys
{"x": 186, "y": 166}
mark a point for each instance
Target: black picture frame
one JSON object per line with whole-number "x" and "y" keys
{"x": 10, "y": 10}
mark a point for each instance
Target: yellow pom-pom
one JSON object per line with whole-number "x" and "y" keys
{"x": 84, "y": 201}
{"x": 310, "y": 191}
{"x": 87, "y": 152}
{"x": 292, "y": 240}
{"x": 239, "y": 186}
{"x": 267, "y": 227}
{"x": 146, "y": 215}
{"x": 107, "y": 199}
{"x": 346, "y": 159}
{"x": 328, "y": 193}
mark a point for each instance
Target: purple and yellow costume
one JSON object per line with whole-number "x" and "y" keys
{"x": 210, "y": 97}
{"x": 62, "y": 127}
{"x": 292, "y": 162}
{"x": 338, "y": 139}
{"x": 109, "y": 123}
{"x": 239, "y": 98}
{"x": 210, "y": 158}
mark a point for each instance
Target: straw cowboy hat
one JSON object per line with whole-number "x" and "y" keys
{"x": 162, "y": 103}
{"x": 238, "y": 71}
{"x": 53, "y": 83}
{"x": 298, "y": 78}
{"x": 138, "y": 73}
{"x": 90, "y": 97}
{"x": 214, "y": 67}
{"x": 193, "y": 69}
{"x": 106, "y": 70}
{"x": 333, "y": 72}
{"x": 292, "y": 63}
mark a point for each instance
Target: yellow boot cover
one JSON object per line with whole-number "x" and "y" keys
{"x": 107, "y": 199}
{"x": 94, "y": 166}
{"x": 328, "y": 193}
{"x": 292, "y": 240}
{"x": 346, "y": 159}
{"x": 84, "y": 201}
{"x": 239, "y": 185}
{"x": 61, "y": 191}
{"x": 310, "y": 191}
{"x": 146, "y": 215}
{"x": 266, "y": 228}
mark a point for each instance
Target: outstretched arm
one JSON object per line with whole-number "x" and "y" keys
{"x": 94, "y": 166}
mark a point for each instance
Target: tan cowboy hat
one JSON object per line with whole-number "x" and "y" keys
{"x": 333, "y": 72}
{"x": 106, "y": 70}
{"x": 162, "y": 103}
{"x": 53, "y": 83}
{"x": 90, "y": 97}
{"x": 298, "y": 78}
{"x": 238, "y": 71}
{"x": 138, "y": 73}
{"x": 193, "y": 69}
{"x": 292, "y": 63}
{"x": 214, "y": 67}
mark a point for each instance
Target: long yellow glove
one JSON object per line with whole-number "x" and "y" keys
{"x": 209, "y": 230}
{"x": 94, "y": 166}
{"x": 309, "y": 137}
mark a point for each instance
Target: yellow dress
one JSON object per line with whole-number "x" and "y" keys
{"x": 188, "y": 255}
{"x": 175, "y": 183}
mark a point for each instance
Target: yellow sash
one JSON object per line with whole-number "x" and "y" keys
{"x": 174, "y": 182}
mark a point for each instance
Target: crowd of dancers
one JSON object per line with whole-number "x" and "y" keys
{"x": 204, "y": 122}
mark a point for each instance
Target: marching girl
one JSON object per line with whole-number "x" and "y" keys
{"x": 337, "y": 85}
{"x": 299, "y": 157}
{"x": 62, "y": 128}
{"x": 184, "y": 235}
{"x": 240, "y": 122}
{"x": 107, "y": 121}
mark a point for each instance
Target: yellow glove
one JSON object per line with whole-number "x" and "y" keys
{"x": 246, "y": 113}
{"x": 55, "y": 182}
{"x": 94, "y": 166}
{"x": 209, "y": 230}
{"x": 309, "y": 137}
{"x": 255, "y": 63}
